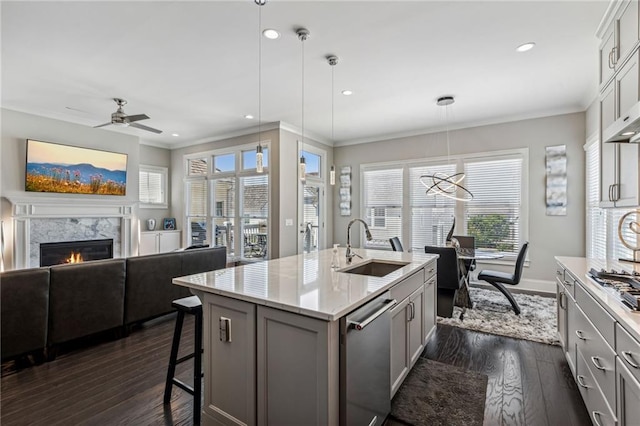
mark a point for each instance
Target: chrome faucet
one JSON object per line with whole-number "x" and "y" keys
{"x": 351, "y": 254}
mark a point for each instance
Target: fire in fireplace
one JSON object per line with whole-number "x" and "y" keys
{"x": 75, "y": 251}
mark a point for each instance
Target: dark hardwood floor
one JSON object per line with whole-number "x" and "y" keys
{"x": 121, "y": 382}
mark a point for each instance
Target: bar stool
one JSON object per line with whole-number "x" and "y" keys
{"x": 187, "y": 305}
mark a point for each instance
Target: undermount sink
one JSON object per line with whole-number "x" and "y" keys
{"x": 375, "y": 268}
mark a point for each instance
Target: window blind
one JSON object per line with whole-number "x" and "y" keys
{"x": 596, "y": 218}
{"x": 151, "y": 188}
{"x": 493, "y": 216}
{"x": 431, "y": 215}
{"x": 382, "y": 206}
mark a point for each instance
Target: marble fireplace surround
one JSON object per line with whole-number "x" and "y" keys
{"x": 38, "y": 221}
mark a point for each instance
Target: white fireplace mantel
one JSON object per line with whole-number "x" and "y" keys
{"x": 27, "y": 210}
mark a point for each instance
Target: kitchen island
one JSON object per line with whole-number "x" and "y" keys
{"x": 273, "y": 334}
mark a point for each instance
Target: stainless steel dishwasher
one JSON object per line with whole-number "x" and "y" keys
{"x": 365, "y": 362}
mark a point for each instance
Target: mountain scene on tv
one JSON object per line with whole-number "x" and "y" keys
{"x": 86, "y": 177}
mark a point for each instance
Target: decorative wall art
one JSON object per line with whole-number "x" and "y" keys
{"x": 169, "y": 223}
{"x": 556, "y": 164}
{"x": 345, "y": 191}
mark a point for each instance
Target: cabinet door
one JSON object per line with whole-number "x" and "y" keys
{"x": 169, "y": 241}
{"x": 561, "y": 303}
{"x": 627, "y": 30}
{"x": 627, "y": 94}
{"x": 430, "y": 307}
{"x": 628, "y": 396}
{"x": 571, "y": 340}
{"x": 399, "y": 346}
{"x": 298, "y": 371}
{"x": 230, "y": 375}
{"x": 628, "y": 188}
{"x": 416, "y": 325}
{"x": 606, "y": 54}
{"x": 148, "y": 243}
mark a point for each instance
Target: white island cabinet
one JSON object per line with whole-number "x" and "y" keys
{"x": 272, "y": 332}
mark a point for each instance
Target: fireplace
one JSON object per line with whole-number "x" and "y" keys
{"x": 75, "y": 251}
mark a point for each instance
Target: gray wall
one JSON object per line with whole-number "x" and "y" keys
{"x": 283, "y": 173}
{"x": 160, "y": 157}
{"x": 549, "y": 236}
{"x": 17, "y": 127}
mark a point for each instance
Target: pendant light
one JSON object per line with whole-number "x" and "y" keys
{"x": 438, "y": 183}
{"x": 303, "y": 34}
{"x": 333, "y": 61}
{"x": 259, "y": 155}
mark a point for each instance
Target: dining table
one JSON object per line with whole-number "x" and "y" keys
{"x": 466, "y": 256}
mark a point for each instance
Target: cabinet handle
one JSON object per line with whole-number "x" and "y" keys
{"x": 629, "y": 358}
{"x": 431, "y": 271}
{"x": 596, "y": 362}
{"x": 580, "y": 380}
{"x": 610, "y": 59}
{"x": 580, "y": 335}
{"x": 558, "y": 273}
{"x": 616, "y": 192}
{"x": 611, "y": 193}
{"x": 614, "y": 55}
{"x": 596, "y": 417}
{"x": 563, "y": 306}
{"x": 568, "y": 283}
{"x": 225, "y": 329}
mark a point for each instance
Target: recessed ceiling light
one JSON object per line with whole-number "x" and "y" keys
{"x": 347, "y": 92}
{"x": 524, "y": 47}
{"x": 175, "y": 134}
{"x": 271, "y": 34}
{"x": 249, "y": 117}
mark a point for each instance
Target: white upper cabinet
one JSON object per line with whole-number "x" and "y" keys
{"x": 619, "y": 39}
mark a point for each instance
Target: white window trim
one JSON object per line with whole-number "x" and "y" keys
{"x": 459, "y": 160}
{"x": 164, "y": 185}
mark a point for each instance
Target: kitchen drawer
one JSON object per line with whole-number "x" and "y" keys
{"x": 430, "y": 271}
{"x": 597, "y": 407}
{"x": 628, "y": 350}
{"x": 596, "y": 313}
{"x": 570, "y": 284}
{"x": 407, "y": 286}
{"x": 599, "y": 356}
{"x": 560, "y": 272}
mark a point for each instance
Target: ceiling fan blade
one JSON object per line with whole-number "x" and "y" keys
{"x": 102, "y": 125}
{"x": 137, "y": 117}
{"x": 143, "y": 127}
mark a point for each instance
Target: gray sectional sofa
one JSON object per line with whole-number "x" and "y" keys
{"x": 44, "y": 307}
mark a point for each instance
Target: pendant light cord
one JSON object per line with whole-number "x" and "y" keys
{"x": 302, "y": 109}
{"x": 332, "y": 95}
{"x": 260, "y": 3}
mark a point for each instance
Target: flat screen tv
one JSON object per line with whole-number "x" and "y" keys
{"x": 53, "y": 167}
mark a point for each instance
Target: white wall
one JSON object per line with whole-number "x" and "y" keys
{"x": 549, "y": 236}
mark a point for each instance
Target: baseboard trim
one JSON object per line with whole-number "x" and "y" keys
{"x": 526, "y": 286}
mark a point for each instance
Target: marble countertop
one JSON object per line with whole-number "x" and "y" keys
{"x": 306, "y": 284}
{"x": 579, "y": 268}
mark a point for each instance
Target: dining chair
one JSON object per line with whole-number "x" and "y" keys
{"x": 468, "y": 244}
{"x": 450, "y": 278}
{"x": 497, "y": 278}
{"x": 396, "y": 245}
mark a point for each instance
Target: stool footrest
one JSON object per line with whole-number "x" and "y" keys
{"x": 182, "y": 385}
{"x": 185, "y": 358}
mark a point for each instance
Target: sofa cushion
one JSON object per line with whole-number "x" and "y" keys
{"x": 24, "y": 307}
{"x": 85, "y": 298}
{"x": 149, "y": 290}
{"x": 203, "y": 260}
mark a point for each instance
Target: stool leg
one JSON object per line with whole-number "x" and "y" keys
{"x": 171, "y": 371}
{"x": 197, "y": 370}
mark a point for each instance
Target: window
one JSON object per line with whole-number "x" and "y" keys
{"x": 312, "y": 163}
{"x": 596, "y": 218}
{"x": 383, "y": 204}
{"x": 395, "y": 203}
{"x": 153, "y": 187}
{"x": 229, "y": 204}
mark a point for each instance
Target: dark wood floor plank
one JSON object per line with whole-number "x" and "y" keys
{"x": 121, "y": 382}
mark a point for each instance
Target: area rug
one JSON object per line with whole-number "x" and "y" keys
{"x": 492, "y": 314}
{"x": 436, "y": 394}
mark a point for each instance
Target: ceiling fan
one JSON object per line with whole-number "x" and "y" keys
{"x": 119, "y": 118}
